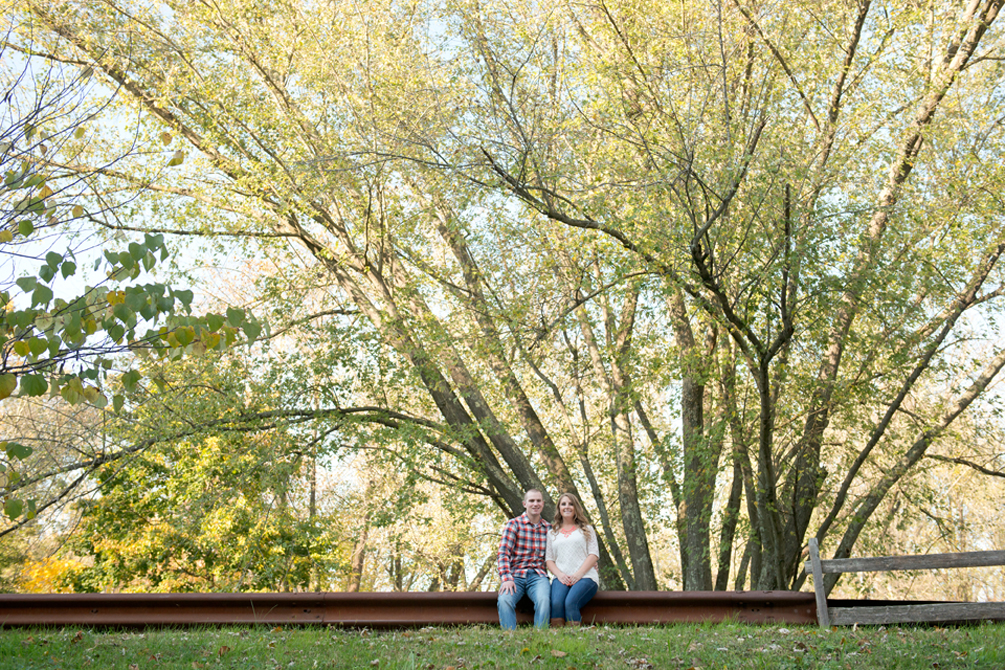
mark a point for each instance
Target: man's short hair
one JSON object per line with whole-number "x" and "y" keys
{"x": 529, "y": 491}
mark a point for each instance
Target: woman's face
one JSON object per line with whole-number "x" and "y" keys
{"x": 566, "y": 509}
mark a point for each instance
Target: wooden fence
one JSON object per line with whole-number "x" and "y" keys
{"x": 887, "y": 614}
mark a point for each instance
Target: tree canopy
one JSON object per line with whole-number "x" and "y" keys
{"x": 730, "y": 273}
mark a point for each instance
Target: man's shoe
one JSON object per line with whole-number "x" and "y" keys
{"x": 557, "y": 623}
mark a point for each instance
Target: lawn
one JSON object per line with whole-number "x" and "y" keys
{"x": 709, "y": 646}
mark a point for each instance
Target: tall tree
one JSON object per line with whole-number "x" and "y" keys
{"x": 523, "y": 222}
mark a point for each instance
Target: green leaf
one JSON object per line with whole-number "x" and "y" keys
{"x": 25, "y": 227}
{"x": 34, "y": 385}
{"x": 117, "y": 403}
{"x": 37, "y": 345}
{"x": 131, "y": 379}
{"x": 122, "y": 312}
{"x": 41, "y": 296}
{"x": 116, "y": 332}
{"x": 184, "y": 296}
{"x": 46, "y": 273}
{"x": 12, "y": 508}
{"x": 252, "y": 329}
{"x": 153, "y": 242}
{"x": 185, "y": 336}
{"x": 17, "y": 450}
{"x": 8, "y": 383}
{"x": 21, "y": 348}
{"x": 235, "y": 316}
{"x": 135, "y": 299}
{"x": 52, "y": 259}
{"x": 215, "y": 322}
{"x": 68, "y": 268}
{"x": 27, "y": 283}
{"x": 71, "y": 395}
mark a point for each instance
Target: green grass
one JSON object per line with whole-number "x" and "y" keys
{"x": 719, "y": 646}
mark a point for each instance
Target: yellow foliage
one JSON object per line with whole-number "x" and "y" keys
{"x": 43, "y": 576}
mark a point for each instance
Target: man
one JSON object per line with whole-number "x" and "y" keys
{"x": 521, "y": 563}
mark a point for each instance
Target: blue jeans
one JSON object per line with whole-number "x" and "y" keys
{"x": 566, "y": 601}
{"x": 536, "y": 588}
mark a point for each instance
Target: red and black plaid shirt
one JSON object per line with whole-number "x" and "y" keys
{"x": 522, "y": 547}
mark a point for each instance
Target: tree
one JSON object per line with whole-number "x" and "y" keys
{"x": 51, "y": 342}
{"x": 731, "y": 216}
{"x": 513, "y": 227}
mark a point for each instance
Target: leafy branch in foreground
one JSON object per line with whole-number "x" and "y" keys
{"x": 68, "y": 345}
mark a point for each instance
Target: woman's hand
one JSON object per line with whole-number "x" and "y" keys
{"x": 569, "y": 580}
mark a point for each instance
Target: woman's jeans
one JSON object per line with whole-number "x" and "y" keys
{"x": 566, "y": 601}
{"x": 536, "y": 588}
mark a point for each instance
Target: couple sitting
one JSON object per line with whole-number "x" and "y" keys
{"x": 568, "y": 547}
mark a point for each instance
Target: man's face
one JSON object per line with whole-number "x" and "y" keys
{"x": 533, "y": 502}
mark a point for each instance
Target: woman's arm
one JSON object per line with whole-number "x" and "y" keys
{"x": 592, "y": 557}
{"x": 549, "y": 558}
{"x": 587, "y": 565}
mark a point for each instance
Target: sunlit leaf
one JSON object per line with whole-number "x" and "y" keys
{"x": 8, "y": 383}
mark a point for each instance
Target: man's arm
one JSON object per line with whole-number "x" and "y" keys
{"x": 507, "y": 545}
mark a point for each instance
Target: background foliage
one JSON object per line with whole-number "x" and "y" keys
{"x": 728, "y": 272}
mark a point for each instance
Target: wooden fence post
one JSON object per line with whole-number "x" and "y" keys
{"x": 818, "y": 584}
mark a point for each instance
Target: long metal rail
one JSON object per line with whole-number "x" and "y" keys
{"x": 389, "y": 610}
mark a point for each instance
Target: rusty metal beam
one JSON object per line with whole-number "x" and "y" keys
{"x": 389, "y": 610}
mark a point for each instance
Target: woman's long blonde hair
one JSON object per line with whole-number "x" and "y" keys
{"x": 578, "y": 516}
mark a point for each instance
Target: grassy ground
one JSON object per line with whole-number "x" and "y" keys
{"x": 676, "y": 647}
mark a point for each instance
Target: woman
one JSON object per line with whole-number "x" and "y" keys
{"x": 571, "y": 555}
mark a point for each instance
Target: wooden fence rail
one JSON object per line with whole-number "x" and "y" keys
{"x": 916, "y": 613}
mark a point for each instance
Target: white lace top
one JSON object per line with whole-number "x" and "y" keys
{"x": 569, "y": 551}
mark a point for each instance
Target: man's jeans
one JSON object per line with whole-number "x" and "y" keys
{"x": 537, "y": 589}
{"x": 566, "y": 601}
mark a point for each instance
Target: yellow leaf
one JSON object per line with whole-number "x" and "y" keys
{"x": 8, "y": 383}
{"x": 558, "y": 654}
{"x": 78, "y": 211}
{"x": 166, "y": 138}
{"x": 6, "y": 236}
